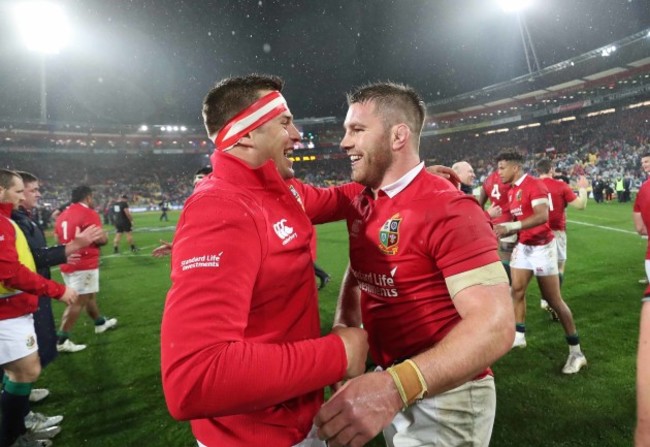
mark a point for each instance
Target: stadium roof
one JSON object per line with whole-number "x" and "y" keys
{"x": 600, "y": 65}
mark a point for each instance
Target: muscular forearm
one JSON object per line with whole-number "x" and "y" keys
{"x": 474, "y": 344}
{"x": 534, "y": 221}
{"x": 348, "y": 309}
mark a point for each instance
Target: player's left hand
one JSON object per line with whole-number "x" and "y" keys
{"x": 445, "y": 172}
{"x": 494, "y": 211}
{"x": 501, "y": 231}
{"x": 359, "y": 410}
{"x": 163, "y": 250}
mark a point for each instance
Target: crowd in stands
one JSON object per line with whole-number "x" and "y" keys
{"x": 605, "y": 147}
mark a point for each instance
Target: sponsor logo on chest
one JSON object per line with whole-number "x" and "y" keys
{"x": 379, "y": 284}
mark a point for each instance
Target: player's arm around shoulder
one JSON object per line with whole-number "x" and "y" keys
{"x": 326, "y": 204}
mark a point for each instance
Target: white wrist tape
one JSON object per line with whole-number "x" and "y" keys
{"x": 512, "y": 226}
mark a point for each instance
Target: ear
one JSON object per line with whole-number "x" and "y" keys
{"x": 399, "y": 135}
{"x": 246, "y": 141}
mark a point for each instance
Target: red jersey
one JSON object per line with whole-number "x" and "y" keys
{"x": 241, "y": 348}
{"x": 497, "y": 192}
{"x": 401, "y": 250}
{"x": 78, "y": 216}
{"x": 20, "y": 286}
{"x": 559, "y": 196}
{"x": 526, "y": 193}
{"x": 642, "y": 205}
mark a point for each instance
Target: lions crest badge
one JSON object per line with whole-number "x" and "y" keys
{"x": 389, "y": 235}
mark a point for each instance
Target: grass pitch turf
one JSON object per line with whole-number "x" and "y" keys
{"x": 111, "y": 395}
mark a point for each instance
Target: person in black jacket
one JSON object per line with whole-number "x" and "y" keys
{"x": 46, "y": 257}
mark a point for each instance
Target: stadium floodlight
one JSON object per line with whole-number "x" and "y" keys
{"x": 518, "y": 6}
{"x": 45, "y": 29}
{"x": 43, "y": 26}
{"x": 514, "y": 5}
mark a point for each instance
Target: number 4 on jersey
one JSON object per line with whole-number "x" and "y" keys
{"x": 495, "y": 192}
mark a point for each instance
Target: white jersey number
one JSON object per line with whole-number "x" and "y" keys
{"x": 495, "y": 192}
{"x": 64, "y": 227}
{"x": 550, "y": 202}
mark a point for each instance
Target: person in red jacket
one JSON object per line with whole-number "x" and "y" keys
{"x": 83, "y": 275}
{"x": 242, "y": 354}
{"x": 20, "y": 288}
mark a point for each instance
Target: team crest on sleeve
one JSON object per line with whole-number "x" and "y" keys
{"x": 389, "y": 235}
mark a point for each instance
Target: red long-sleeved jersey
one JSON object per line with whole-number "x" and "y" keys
{"x": 241, "y": 351}
{"x": 20, "y": 286}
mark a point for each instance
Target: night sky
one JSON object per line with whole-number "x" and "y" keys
{"x": 152, "y": 61}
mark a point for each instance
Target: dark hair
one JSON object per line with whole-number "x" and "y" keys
{"x": 205, "y": 170}
{"x": 232, "y": 95}
{"x": 511, "y": 156}
{"x": 124, "y": 196}
{"x": 395, "y": 102}
{"x": 544, "y": 166}
{"x": 27, "y": 177}
{"x": 7, "y": 178}
{"x": 80, "y": 193}
{"x": 647, "y": 154}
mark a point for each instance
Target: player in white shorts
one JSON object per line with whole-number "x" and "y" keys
{"x": 535, "y": 254}
{"x": 84, "y": 274}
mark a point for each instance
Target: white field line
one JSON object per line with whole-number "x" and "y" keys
{"x": 602, "y": 227}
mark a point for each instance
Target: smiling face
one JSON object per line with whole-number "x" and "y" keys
{"x": 274, "y": 140}
{"x": 465, "y": 173}
{"x": 368, "y": 144}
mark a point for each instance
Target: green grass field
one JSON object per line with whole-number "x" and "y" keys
{"x": 111, "y": 393}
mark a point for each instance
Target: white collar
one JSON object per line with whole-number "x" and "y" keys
{"x": 521, "y": 179}
{"x": 396, "y": 187}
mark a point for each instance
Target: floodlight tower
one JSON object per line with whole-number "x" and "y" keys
{"x": 518, "y": 7}
{"x": 45, "y": 30}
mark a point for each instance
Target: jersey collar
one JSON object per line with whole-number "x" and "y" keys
{"x": 521, "y": 179}
{"x": 396, "y": 187}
